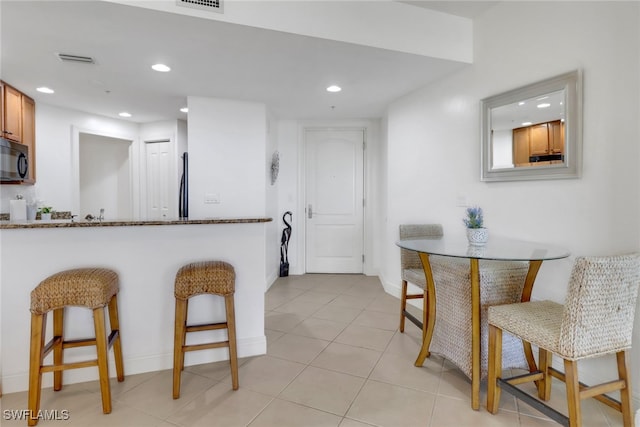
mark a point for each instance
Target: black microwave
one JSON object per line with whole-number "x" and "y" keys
{"x": 14, "y": 164}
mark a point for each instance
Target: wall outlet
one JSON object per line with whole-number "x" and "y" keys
{"x": 462, "y": 201}
{"x": 211, "y": 198}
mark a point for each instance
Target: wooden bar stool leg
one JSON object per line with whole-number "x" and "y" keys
{"x": 38, "y": 323}
{"x": 184, "y": 332}
{"x": 573, "y": 392}
{"x": 231, "y": 330}
{"x": 625, "y": 393}
{"x": 178, "y": 344}
{"x": 403, "y": 304}
{"x": 58, "y": 337}
{"x": 117, "y": 345}
{"x": 494, "y": 368}
{"x": 544, "y": 385}
{"x": 103, "y": 365}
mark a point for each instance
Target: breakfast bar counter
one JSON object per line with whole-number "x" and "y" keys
{"x": 146, "y": 255}
{"x": 68, "y": 223}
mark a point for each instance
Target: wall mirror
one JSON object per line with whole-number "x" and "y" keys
{"x": 533, "y": 132}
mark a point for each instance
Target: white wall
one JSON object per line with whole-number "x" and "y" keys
{"x": 105, "y": 177}
{"x": 227, "y": 152}
{"x": 272, "y": 237}
{"x": 288, "y": 190}
{"x": 433, "y": 142}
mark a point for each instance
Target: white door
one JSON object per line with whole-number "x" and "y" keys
{"x": 334, "y": 201}
{"x": 159, "y": 189}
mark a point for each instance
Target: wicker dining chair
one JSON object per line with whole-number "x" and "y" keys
{"x": 595, "y": 320}
{"x": 411, "y": 267}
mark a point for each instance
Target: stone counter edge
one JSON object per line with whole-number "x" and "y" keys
{"x": 6, "y": 225}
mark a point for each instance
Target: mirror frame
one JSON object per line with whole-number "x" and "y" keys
{"x": 571, "y": 83}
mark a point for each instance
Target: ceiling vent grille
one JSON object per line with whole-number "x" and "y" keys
{"x": 210, "y": 5}
{"x": 76, "y": 58}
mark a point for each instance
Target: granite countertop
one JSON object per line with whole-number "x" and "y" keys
{"x": 68, "y": 223}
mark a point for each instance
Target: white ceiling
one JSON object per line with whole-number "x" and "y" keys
{"x": 289, "y": 73}
{"x": 468, "y": 9}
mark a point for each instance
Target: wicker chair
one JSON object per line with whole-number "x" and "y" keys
{"x": 411, "y": 267}
{"x": 595, "y": 320}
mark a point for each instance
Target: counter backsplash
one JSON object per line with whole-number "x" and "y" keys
{"x": 54, "y": 215}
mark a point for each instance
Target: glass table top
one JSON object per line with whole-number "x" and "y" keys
{"x": 497, "y": 248}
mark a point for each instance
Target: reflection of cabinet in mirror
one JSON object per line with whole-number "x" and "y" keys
{"x": 542, "y": 142}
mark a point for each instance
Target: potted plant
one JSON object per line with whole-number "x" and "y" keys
{"x": 45, "y": 213}
{"x": 476, "y": 233}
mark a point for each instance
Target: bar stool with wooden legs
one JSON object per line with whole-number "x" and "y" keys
{"x": 595, "y": 320}
{"x": 93, "y": 288}
{"x": 205, "y": 277}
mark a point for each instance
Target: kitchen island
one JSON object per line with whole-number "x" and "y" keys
{"x": 146, "y": 255}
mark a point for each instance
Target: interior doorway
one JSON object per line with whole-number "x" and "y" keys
{"x": 161, "y": 194}
{"x": 334, "y": 208}
{"x": 105, "y": 176}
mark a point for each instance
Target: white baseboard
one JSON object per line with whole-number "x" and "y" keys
{"x": 247, "y": 347}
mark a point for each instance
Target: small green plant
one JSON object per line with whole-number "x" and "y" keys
{"x": 474, "y": 218}
{"x": 46, "y": 209}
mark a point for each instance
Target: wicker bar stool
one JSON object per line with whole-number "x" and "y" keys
{"x": 595, "y": 320}
{"x": 206, "y": 277}
{"x": 92, "y": 288}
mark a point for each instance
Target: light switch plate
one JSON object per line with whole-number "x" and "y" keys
{"x": 212, "y": 198}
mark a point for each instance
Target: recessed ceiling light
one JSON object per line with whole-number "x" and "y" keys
{"x": 161, "y": 67}
{"x": 334, "y": 88}
{"x": 527, "y": 124}
{"x": 124, "y": 114}
{"x": 521, "y": 103}
{"x": 544, "y": 105}
{"x": 44, "y": 89}
{"x": 184, "y": 109}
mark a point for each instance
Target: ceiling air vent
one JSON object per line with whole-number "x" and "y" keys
{"x": 76, "y": 58}
{"x": 210, "y": 5}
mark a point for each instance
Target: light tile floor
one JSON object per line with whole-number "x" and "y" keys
{"x": 334, "y": 358}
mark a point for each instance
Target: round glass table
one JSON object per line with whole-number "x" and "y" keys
{"x": 497, "y": 248}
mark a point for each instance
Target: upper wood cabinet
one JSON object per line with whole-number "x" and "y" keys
{"x": 29, "y": 135}
{"x": 521, "y": 146}
{"x": 543, "y": 139}
{"x": 556, "y": 137}
{"x": 11, "y": 113}
{"x": 18, "y": 123}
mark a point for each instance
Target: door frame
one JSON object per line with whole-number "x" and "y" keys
{"x": 75, "y": 166}
{"x": 370, "y": 129}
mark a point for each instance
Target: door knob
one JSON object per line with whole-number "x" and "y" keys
{"x": 310, "y": 212}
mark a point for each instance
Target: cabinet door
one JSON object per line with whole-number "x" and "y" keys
{"x": 539, "y": 140}
{"x": 521, "y": 146}
{"x": 29, "y": 135}
{"x": 556, "y": 137}
{"x": 12, "y": 128}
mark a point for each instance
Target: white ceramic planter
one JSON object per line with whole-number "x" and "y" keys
{"x": 45, "y": 216}
{"x": 477, "y": 236}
